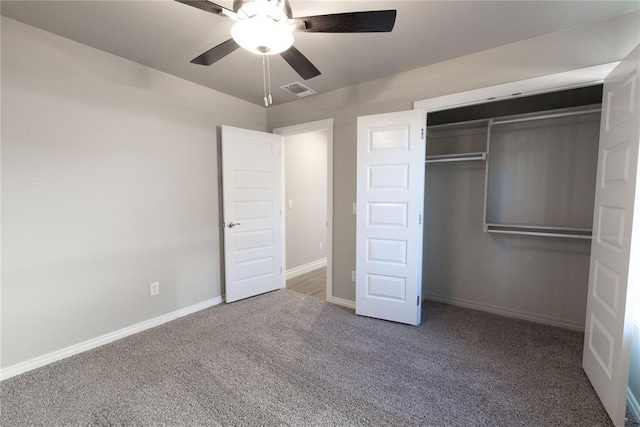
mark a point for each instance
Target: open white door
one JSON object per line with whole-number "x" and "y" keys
{"x": 615, "y": 250}
{"x": 252, "y": 212}
{"x": 390, "y": 204}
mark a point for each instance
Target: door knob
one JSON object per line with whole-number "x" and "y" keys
{"x": 232, "y": 224}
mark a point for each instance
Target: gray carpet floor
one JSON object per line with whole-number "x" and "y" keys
{"x": 289, "y": 359}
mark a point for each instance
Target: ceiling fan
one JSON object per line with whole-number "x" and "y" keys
{"x": 266, "y": 27}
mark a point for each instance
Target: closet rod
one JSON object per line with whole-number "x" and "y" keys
{"x": 539, "y": 227}
{"x": 447, "y": 158}
{"x": 545, "y": 116}
{"x": 539, "y": 233}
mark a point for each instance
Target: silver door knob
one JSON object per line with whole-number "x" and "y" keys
{"x": 232, "y": 224}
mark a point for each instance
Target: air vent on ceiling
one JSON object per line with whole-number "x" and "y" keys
{"x": 298, "y": 89}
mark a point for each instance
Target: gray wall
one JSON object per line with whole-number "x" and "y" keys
{"x": 306, "y": 188}
{"x": 596, "y": 43}
{"x": 109, "y": 183}
{"x": 527, "y": 276}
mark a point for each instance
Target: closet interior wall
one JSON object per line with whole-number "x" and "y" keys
{"x": 538, "y": 278}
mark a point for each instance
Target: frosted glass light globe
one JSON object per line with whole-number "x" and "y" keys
{"x": 262, "y": 35}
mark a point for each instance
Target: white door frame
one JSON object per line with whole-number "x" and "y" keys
{"x": 552, "y": 83}
{"x": 320, "y": 125}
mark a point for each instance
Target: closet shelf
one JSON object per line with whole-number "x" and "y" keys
{"x": 467, "y": 124}
{"x": 462, "y": 157}
{"x": 545, "y": 116}
{"x": 542, "y": 231}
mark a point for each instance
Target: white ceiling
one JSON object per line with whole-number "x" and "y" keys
{"x": 166, "y": 35}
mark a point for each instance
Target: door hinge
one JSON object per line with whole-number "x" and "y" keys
{"x": 422, "y": 133}
{"x": 280, "y": 269}
{"x": 418, "y": 300}
{"x": 420, "y": 219}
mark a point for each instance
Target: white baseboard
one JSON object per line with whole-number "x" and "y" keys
{"x": 507, "y": 312}
{"x": 483, "y": 307}
{"x": 305, "y": 268}
{"x": 54, "y": 356}
{"x": 633, "y": 404}
{"x": 343, "y": 302}
{"x": 200, "y": 306}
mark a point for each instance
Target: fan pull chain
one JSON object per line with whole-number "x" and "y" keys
{"x": 264, "y": 80}
{"x": 269, "y": 80}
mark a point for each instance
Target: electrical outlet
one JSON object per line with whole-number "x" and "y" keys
{"x": 320, "y": 246}
{"x": 353, "y": 276}
{"x": 154, "y": 288}
{"x": 289, "y": 204}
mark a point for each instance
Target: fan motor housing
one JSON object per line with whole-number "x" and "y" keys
{"x": 271, "y": 6}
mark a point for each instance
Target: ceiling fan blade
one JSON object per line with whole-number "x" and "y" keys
{"x": 375, "y": 21}
{"x": 208, "y": 6}
{"x": 216, "y": 53}
{"x": 300, "y": 63}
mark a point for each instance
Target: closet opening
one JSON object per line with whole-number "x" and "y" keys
{"x": 533, "y": 255}
{"x": 509, "y": 196}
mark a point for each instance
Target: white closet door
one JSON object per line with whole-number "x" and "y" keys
{"x": 615, "y": 251}
{"x": 390, "y": 203}
{"x": 252, "y": 205}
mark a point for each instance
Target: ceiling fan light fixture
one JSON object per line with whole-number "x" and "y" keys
{"x": 262, "y": 35}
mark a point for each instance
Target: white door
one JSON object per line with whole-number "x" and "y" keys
{"x": 615, "y": 250}
{"x": 390, "y": 203}
{"x": 252, "y": 212}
